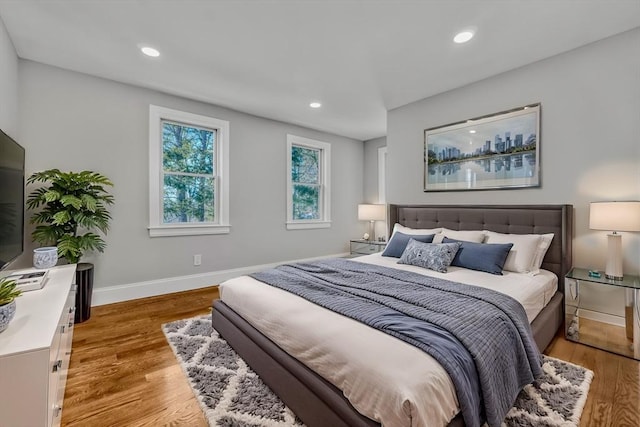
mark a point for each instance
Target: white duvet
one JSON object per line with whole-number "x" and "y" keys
{"x": 384, "y": 378}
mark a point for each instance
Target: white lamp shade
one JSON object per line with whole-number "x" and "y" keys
{"x": 615, "y": 216}
{"x": 372, "y": 212}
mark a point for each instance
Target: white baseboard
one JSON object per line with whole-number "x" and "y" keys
{"x": 602, "y": 317}
{"x": 130, "y": 291}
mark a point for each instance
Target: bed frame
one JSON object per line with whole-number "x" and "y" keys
{"x": 319, "y": 403}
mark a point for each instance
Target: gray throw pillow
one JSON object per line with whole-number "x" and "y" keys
{"x": 399, "y": 241}
{"x": 489, "y": 257}
{"x": 433, "y": 256}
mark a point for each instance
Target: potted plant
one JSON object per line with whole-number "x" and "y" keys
{"x": 8, "y": 294}
{"x": 74, "y": 205}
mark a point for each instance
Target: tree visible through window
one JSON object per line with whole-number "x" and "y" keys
{"x": 188, "y": 173}
{"x": 305, "y": 177}
{"x": 308, "y": 183}
{"x": 188, "y": 165}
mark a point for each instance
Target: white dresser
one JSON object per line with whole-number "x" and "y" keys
{"x": 34, "y": 353}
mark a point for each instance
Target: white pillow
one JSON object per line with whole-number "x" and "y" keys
{"x": 545, "y": 243}
{"x": 476, "y": 236}
{"x": 527, "y": 252}
{"x": 414, "y": 231}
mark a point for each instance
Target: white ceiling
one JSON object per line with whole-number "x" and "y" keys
{"x": 272, "y": 57}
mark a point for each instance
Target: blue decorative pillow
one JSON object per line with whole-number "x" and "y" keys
{"x": 429, "y": 255}
{"x": 488, "y": 257}
{"x": 398, "y": 243}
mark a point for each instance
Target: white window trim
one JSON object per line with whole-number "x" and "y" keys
{"x": 325, "y": 171}
{"x": 156, "y": 227}
{"x": 382, "y": 172}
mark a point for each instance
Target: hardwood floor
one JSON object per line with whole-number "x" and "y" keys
{"x": 123, "y": 372}
{"x": 614, "y": 396}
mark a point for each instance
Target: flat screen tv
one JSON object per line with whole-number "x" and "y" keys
{"x": 11, "y": 200}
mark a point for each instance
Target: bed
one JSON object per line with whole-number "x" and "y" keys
{"x": 317, "y": 401}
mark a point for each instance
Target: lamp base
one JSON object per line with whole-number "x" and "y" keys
{"x": 614, "y": 257}
{"x": 372, "y": 231}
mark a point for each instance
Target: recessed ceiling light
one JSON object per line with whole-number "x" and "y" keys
{"x": 463, "y": 37}
{"x": 149, "y": 51}
{"x": 315, "y": 105}
{"x": 472, "y": 131}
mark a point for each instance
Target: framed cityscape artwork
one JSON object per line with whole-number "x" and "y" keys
{"x": 497, "y": 151}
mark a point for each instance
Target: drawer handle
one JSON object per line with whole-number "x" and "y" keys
{"x": 72, "y": 310}
{"x": 70, "y": 324}
{"x": 57, "y": 365}
{"x": 57, "y": 409}
{"x": 62, "y": 328}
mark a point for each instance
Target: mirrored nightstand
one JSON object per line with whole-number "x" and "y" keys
{"x": 588, "y": 325}
{"x": 360, "y": 247}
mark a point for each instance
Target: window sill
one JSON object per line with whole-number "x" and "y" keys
{"x": 188, "y": 230}
{"x": 306, "y": 225}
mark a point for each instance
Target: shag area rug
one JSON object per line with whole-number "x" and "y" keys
{"x": 232, "y": 395}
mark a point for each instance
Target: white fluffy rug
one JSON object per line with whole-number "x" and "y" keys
{"x": 232, "y": 395}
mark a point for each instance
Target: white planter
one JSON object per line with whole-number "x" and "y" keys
{"x": 7, "y": 312}
{"x": 46, "y": 257}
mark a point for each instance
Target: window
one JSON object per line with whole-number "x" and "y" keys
{"x": 188, "y": 173}
{"x": 382, "y": 171}
{"x": 308, "y": 195}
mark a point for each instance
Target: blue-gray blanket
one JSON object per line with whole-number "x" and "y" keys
{"x": 481, "y": 337}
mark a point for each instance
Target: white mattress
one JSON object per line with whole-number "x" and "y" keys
{"x": 369, "y": 366}
{"x": 533, "y": 292}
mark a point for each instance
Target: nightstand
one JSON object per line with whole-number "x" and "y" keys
{"x": 596, "y": 325}
{"x": 360, "y": 247}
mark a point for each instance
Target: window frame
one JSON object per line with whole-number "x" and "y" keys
{"x": 382, "y": 173}
{"x": 156, "y": 227}
{"x": 324, "y": 183}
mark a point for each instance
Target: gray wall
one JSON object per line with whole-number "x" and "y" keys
{"x": 8, "y": 84}
{"x": 590, "y": 136}
{"x": 74, "y": 121}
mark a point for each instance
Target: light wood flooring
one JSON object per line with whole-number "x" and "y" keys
{"x": 123, "y": 372}
{"x": 614, "y": 396}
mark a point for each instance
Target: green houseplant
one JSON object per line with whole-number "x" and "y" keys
{"x": 8, "y": 294}
{"x": 73, "y": 205}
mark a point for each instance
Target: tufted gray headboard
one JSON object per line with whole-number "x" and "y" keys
{"x": 516, "y": 219}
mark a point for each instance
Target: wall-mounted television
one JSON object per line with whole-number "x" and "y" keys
{"x": 11, "y": 200}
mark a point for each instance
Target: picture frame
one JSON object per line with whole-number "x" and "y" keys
{"x": 496, "y": 151}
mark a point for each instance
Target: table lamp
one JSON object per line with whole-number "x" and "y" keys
{"x": 614, "y": 216}
{"x": 372, "y": 213}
